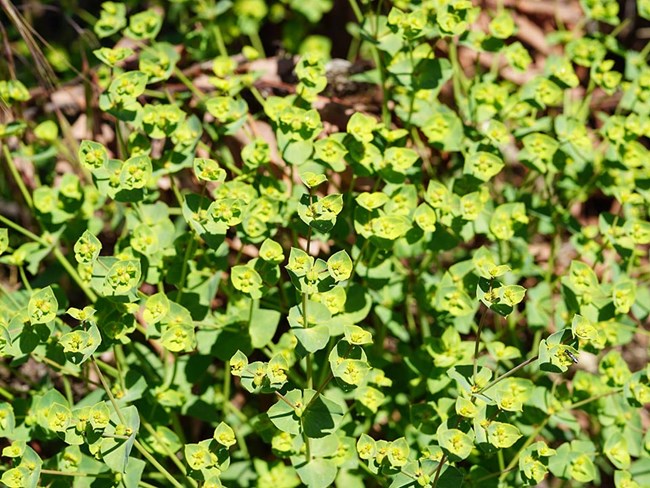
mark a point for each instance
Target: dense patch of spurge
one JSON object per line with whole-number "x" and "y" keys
{"x": 215, "y": 272}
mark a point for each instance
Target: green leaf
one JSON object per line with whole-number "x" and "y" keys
{"x": 87, "y": 248}
{"x": 617, "y": 451}
{"x": 582, "y": 469}
{"x": 455, "y": 443}
{"x": 398, "y": 452}
{"x": 286, "y": 412}
{"x": 624, "y": 294}
{"x": 42, "y": 306}
{"x": 307, "y": 412}
{"x": 366, "y": 447}
{"x": 126, "y": 87}
{"x": 112, "y": 18}
{"x": 356, "y": 335}
{"x": 425, "y": 217}
{"x": 339, "y": 266}
{"x": 224, "y": 435}
{"x": 372, "y": 201}
{"x": 263, "y": 326}
{"x": 311, "y": 179}
{"x": 156, "y": 308}
{"x": 317, "y": 473}
{"x": 352, "y": 371}
{"x": 99, "y": 416}
{"x": 314, "y": 338}
{"x": 244, "y": 278}
{"x": 113, "y": 56}
{"x": 92, "y": 155}
{"x": 179, "y": 338}
{"x": 144, "y": 25}
{"x": 7, "y": 420}
{"x": 122, "y": 278}
{"x": 582, "y": 278}
{"x": 198, "y": 456}
{"x": 4, "y": 240}
{"x": 502, "y": 435}
{"x": 271, "y": 251}
{"x": 79, "y": 345}
{"x": 208, "y": 170}
{"x": 136, "y": 173}
{"x": 299, "y": 262}
{"x": 483, "y": 165}
{"x": 16, "y": 477}
{"x": 115, "y": 451}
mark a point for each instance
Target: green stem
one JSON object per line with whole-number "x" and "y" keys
{"x": 226, "y": 388}
{"x": 171, "y": 375}
{"x": 74, "y": 275}
{"x": 257, "y": 43}
{"x": 136, "y": 443}
{"x": 358, "y": 14}
{"x": 258, "y": 96}
{"x": 67, "y": 387}
{"x": 107, "y": 388}
{"x": 120, "y": 437}
{"x": 645, "y": 51}
{"x": 57, "y": 254}
{"x": 23, "y": 278}
{"x": 54, "y": 472}
{"x": 308, "y": 358}
{"x": 583, "y": 111}
{"x": 412, "y": 97}
{"x": 120, "y": 360}
{"x": 168, "y": 452}
{"x": 356, "y": 263}
{"x": 188, "y": 83}
{"x": 144, "y": 484}
{"x": 177, "y": 194}
{"x": 219, "y": 37}
{"x": 550, "y": 265}
{"x": 457, "y": 72}
{"x": 385, "y": 113}
{"x": 477, "y": 342}
{"x": 108, "y": 369}
{"x": 156, "y": 464}
{"x": 507, "y": 374}
{"x": 189, "y": 251}
{"x": 529, "y": 441}
{"x": 60, "y": 368}
{"x": 23, "y": 231}
{"x": 357, "y": 11}
{"x": 6, "y": 394}
{"x": 620, "y": 27}
{"x": 438, "y": 471}
{"x": 285, "y": 399}
{"x": 573, "y": 406}
{"x": 17, "y": 177}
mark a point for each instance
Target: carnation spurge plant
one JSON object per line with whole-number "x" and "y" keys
{"x": 427, "y": 266}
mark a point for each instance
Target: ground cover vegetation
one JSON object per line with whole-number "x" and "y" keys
{"x": 228, "y": 259}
